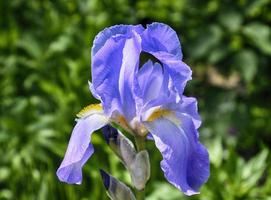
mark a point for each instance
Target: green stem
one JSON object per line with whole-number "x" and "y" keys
{"x": 140, "y": 194}
{"x": 140, "y": 145}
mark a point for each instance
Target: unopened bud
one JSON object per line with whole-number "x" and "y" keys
{"x": 116, "y": 190}
{"x": 137, "y": 164}
{"x": 121, "y": 145}
{"x": 140, "y": 170}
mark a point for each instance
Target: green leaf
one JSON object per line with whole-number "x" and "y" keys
{"x": 231, "y": 20}
{"x": 259, "y": 34}
{"x": 246, "y": 62}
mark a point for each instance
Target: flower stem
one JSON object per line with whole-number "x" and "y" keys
{"x": 140, "y": 194}
{"x": 140, "y": 145}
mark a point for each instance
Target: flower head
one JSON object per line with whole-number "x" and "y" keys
{"x": 143, "y": 100}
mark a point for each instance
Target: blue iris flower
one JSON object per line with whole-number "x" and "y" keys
{"x": 144, "y": 100}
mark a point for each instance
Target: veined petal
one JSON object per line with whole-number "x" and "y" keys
{"x": 113, "y": 31}
{"x": 179, "y": 72}
{"x": 150, "y": 79}
{"x": 106, "y": 66}
{"x": 162, "y": 42}
{"x": 115, "y": 56}
{"x": 80, "y": 149}
{"x": 161, "y": 37}
{"x": 185, "y": 161}
{"x": 93, "y": 91}
{"x": 156, "y": 90}
{"x": 127, "y": 80}
{"x": 189, "y": 106}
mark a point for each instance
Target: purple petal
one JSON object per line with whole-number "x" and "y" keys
{"x": 79, "y": 149}
{"x": 150, "y": 79}
{"x": 189, "y": 106}
{"x": 156, "y": 87}
{"x": 161, "y": 37}
{"x": 115, "y": 56}
{"x": 185, "y": 160}
{"x": 105, "y": 74}
{"x": 113, "y": 31}
{"x": 130, "y": 61}
{"x": 162, "y": 42}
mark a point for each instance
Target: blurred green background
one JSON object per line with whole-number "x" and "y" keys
{"x": 45, "y": 65}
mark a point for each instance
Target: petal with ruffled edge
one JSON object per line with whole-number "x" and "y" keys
{"x": 115, "y": 56}
{"x": 187, "y": 106}
{"x": 161, "y": 41}
{"x": 79, "y": 149}
{"x": 154, "y": 84}
{"x": 160, "y": 37}
{"x": 127, "y": 80}
{"x": 113, "y": 31}
{"x": 185, "y": 160}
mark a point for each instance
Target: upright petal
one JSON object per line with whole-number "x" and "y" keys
{"x": 113, "y": 31}
{"x": 130, "y": 62}
{"x": 162, "y": 42}
{"x": 79, "y": 149}
{"x": 115, "y": 56}
{"x": 185, "y": 161}
{"x": 161, "y": 37}
{"x": 156, "y": 88}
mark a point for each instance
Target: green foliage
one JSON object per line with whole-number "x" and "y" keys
{"x": 44, "y": 69}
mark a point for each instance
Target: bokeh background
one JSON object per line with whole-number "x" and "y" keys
{"x": 45, "y": 65}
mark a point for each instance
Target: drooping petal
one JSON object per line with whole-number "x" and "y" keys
{"x": 162, "y": 42}
{"x": 79, "y": 149}
{"x": 188, "y": 106}
{"x": 185, "y": 161}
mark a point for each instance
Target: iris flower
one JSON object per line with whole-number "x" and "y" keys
{"x": 145, "y": 99}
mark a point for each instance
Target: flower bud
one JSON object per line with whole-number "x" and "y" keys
{"x": 137, "y": 164}
{"x": 140, "y": 170}
{"x": 116, "y": 190}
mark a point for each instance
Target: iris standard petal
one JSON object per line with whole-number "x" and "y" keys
{"x": 179, "y": 72}
{"x": 150, "y": 79}
{"x": 161, "y": 37}
{"x": 114, "y": 60}
{"x": 185, "y": 161}
{"x": 162, "y": 42}
{"x": 127, "y": 80}
{"x": 113, "y": 31}
{"x": 156, "y": 88}
{"x": 79, "y": 149}
{"x": 106, "y": 66}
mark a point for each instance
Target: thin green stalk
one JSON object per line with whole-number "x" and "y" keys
{"x": 140, "y": 143}
{"x": 140, "y": 194}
